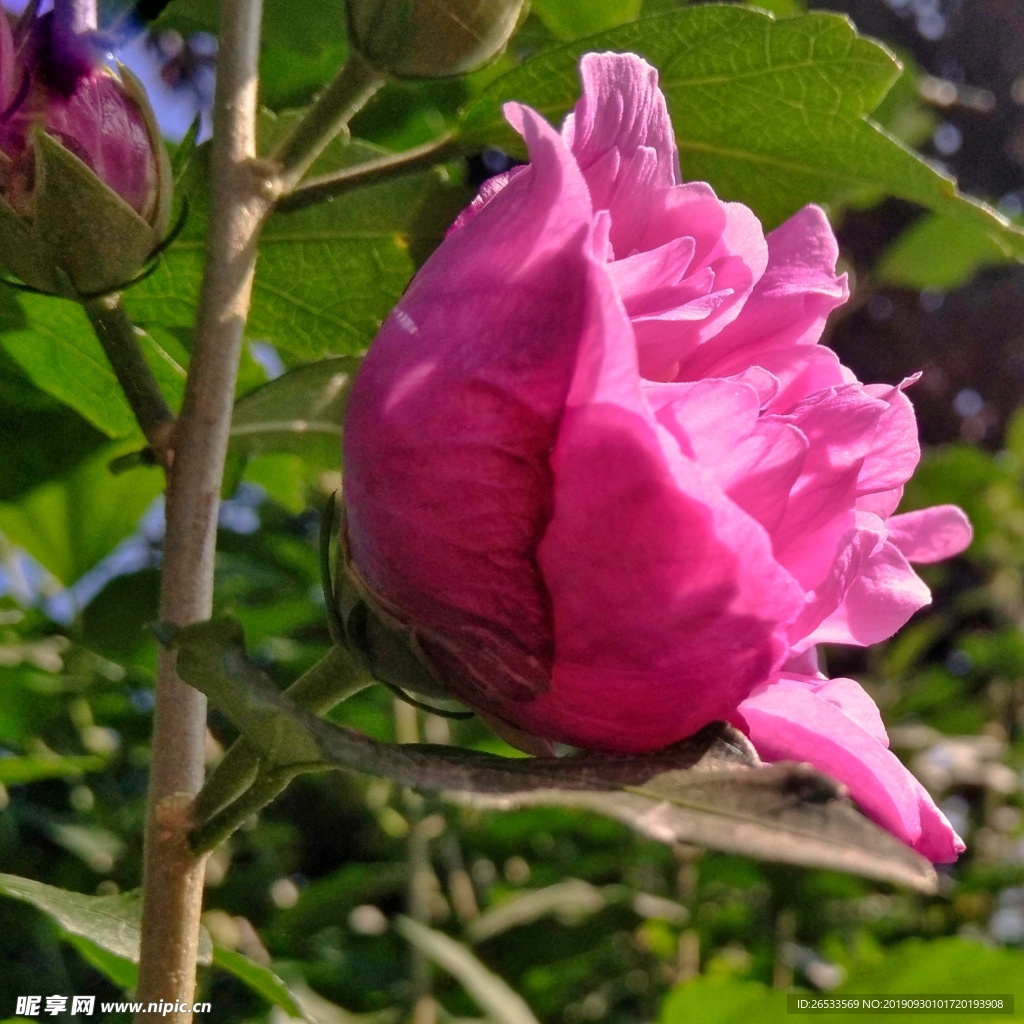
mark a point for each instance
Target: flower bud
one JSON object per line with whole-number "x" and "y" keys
{"x": 85, "y": 183}
{"x": 430, "y": 38}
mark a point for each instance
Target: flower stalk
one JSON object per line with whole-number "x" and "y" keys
{"x": 344, "y": 97}
{"x": 119, "y": 338}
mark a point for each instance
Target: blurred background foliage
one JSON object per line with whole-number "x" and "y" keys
{"x": 543, "y": 915}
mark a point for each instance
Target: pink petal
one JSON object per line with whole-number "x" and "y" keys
{"x": 453, "y": 416}
{"x": 691, "y": 599}
{"x": 621, "y": 135}
{"x": 801, "y": 371}
{"x": 488, "y": 190}
{"x": 930, "y": 534}
{"x": 789, "y": 303}
{"x": 830, "y": 724}
{"x": 729, "y": 255}
{"x": 894, "y": 454}
{"x": 880, "y": 600}
{"x": 840, "y": 425}
{"x": 105, "y": 129}
{"x": 854, "y": 551}
{"x": 756, "y": 461}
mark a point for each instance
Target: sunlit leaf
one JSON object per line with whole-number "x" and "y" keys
{"x": 937, "y": 252}
{"x": 327, "y": 274}
{"x": 41, "y": 437}
{"x": 119, "y": 969}
{"x": 300, "y": 412}
{"x": 69, "y": 525}
{"x": 774, "y": 114}
{"x": 53, "y": 344}
{"x": 260, "y": 979}
{"x": 573, "y": 19}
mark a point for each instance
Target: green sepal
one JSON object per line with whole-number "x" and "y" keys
{"x": 86, "y": 228}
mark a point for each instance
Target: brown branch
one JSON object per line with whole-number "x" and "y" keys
{"x": 173, "y": 875}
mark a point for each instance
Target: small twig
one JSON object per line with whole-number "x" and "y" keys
{"x": 119, "y": 338}
{"x": 329, "y": 115}
{"x": 370, "y": 172}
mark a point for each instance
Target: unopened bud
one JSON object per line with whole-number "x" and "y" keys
{"x": 431, "y": 38}
{"x": 85, "y": 183}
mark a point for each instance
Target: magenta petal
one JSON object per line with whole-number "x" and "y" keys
{"x": 789, "y": 303}
{"x": 105, "y": 128}
{"x": 853, "y": 553}
{"x": 680, "y": 574}
{"x": 880, "y": 600}
{"x": 622, "y": 138}
{"x": 452, "y": 418}
{"x": 930, "y": 534}
{"x": 828, "y": 724}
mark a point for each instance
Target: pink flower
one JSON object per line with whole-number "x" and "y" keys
{"x": 598, "y": 462}
{"x": 50, "y": 79}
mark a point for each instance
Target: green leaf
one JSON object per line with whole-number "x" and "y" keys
{"x": 780, "y": 8}
{"x": 53, "y": 344}
{"x": 492, "y": 994}
{"x": 937, "y": 252}
{"x": 286, "y": 478}
{"x": 573, "y": 19}
{"x": 261, "y": 980}
{"x": 16, "y": 771}
{"x": 70, "y": 525}
{"x": 771, "y": 113}
{"x": 287, "y": 432}
{"x": 299, "y": 412}
{"x": 120, "y": 970}
{"x": 328, "y": 274}
{"x": 111, "y": 922}
{"x": 903, "y": 112}
{"x": 711, "y": 789}
{"x": 42, "y": 437}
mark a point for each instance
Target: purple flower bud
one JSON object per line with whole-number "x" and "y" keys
{"x": 51, "y": 80}
{"x": 85, "y": 182}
